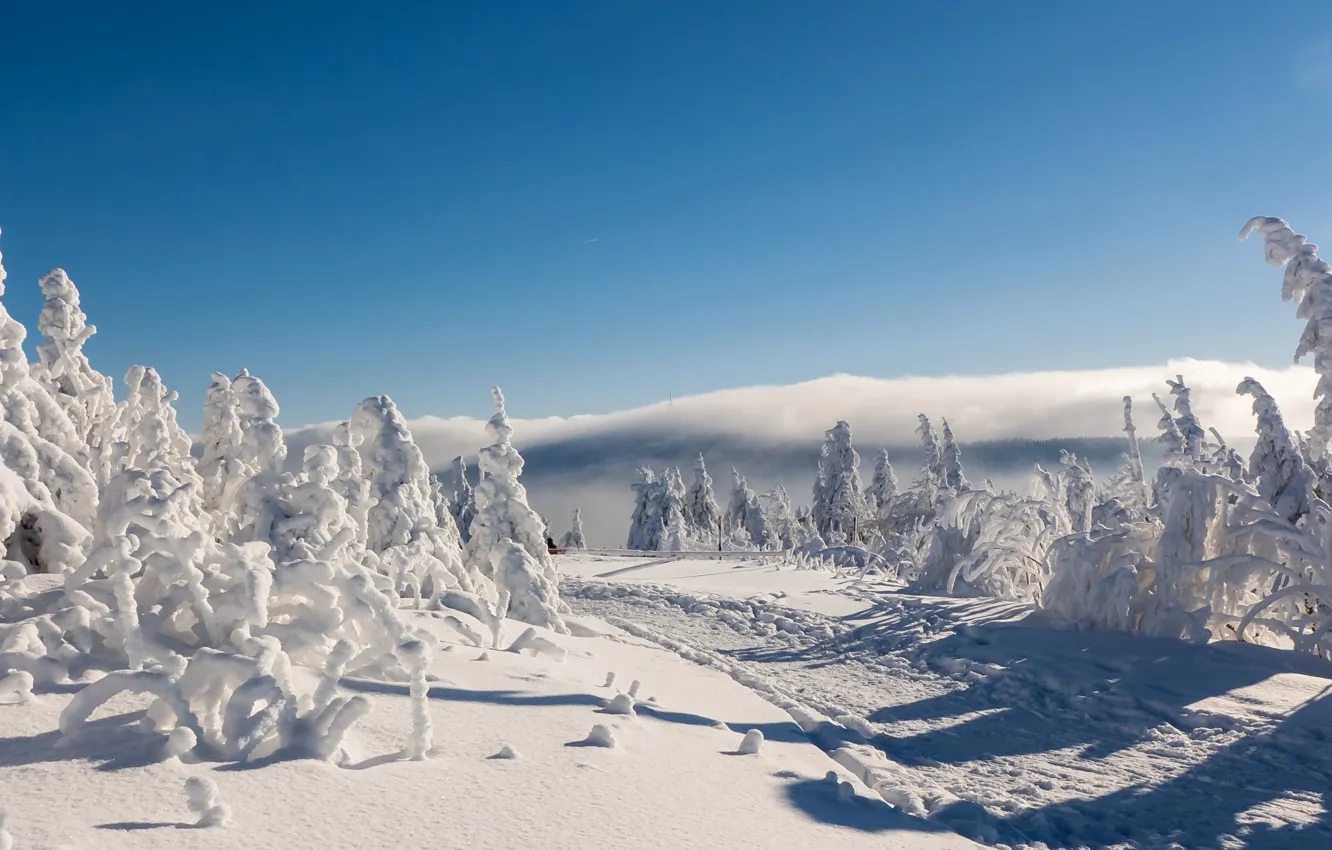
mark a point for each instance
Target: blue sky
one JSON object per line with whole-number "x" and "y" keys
{"x": 360, "y": 198}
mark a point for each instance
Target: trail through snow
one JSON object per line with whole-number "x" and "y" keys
{"x": 976, "y": 714}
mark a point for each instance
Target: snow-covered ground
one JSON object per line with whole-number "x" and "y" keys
{"x": 978, "y": 715}
{"x": 947, "y": 720}
{"x": 672, "y": 780}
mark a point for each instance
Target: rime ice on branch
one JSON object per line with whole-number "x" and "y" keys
{"x": 1308, "y": 282}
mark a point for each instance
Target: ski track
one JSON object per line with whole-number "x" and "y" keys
{"x": 1012, "y": 748}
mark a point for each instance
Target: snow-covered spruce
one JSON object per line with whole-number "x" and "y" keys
{"x": 647, "y": 525}
{"x": 702, "y": 514}
{"x": 882, "y": 492}
{"x": 574, "y": 538}
{"x": 6, "y": 838}
{"x": 83, "y": 393}
{"x": 744, "y": 515}
{"x": 951, "y": 455}
{"x": 839, "y": 505}
{"x": 403, "y": 528}
{"x": 507, "y": 545}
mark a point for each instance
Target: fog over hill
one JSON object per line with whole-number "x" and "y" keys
{"x": 772, "y": 434}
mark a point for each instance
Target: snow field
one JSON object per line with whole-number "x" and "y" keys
{"x": 665, "y": 783}
{"x": 979, "y": 715}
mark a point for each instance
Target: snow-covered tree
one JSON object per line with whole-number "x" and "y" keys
{"x": 257, "y": 410}
{"x": 674, "y": 538}
{"x": 1129, "y": 485}
{"x": 779, "y": 522}
{"x": 1276, "y": 467}
{"x": 574, "y": 538}
{"x": 505, "y": 519}
{"x": 702, "y": 514}
{"x": 351, "y": 483}
{"x": 144, "y": 434}
{"x": 1079, "y": 488}
{"x": 83, "y": 393}
{"x": 1191, "y": 432}
{"x": 221, "y": 466}
{"x": 932, "y": 477}
{"x": 1171, "y": 437}
{"x": 647, "y": 526}
{"x": 883, "y": 488}
{"x": 402, "y": 527}
{"x": 673, "y": 504}
{"x": 839, "y": 506}
{"x": 883, "y": 485}
{"x": 462, "y": 503}
{"x": 951, "y": 457}
{"x": 742, "y": 502}
{"x": 25, "y": 403}
{"x": 1308, "y": 282}
{"x": 400, "y": 502}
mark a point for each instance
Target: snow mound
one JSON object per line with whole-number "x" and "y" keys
{"x": 205, "y": 801}
{"x": 506, "y": 752}
{"x": 600, "y": 736}
{"x": 751, "y": 743}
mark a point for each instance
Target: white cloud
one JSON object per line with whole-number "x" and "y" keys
{"x": 1034, "y": 405}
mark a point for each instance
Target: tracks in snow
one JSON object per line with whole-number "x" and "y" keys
{"x": 1012, "y": 734}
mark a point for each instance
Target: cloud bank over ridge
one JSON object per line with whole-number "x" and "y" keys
{"x": 772, "y": 434}
{"x": 1025, "y": 406}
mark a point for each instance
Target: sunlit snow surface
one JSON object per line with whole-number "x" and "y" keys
{"x": 974, "y": 714}
{"x": 513, "y": 763}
